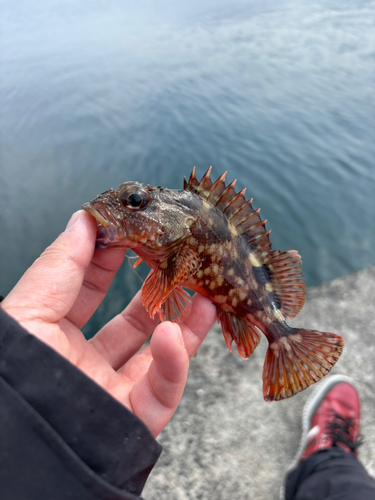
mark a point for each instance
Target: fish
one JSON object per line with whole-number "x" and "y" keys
{"x": 208, "y": 238}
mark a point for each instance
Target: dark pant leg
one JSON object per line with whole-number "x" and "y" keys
{"x": 330, "y": 475}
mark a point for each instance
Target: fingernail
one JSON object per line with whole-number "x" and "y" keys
{"x": 73, "y": 219}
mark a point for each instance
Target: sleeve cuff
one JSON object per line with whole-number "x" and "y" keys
{"x": 107, "y": 437}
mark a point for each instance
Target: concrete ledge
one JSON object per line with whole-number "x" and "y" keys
{"x": 225, "y": 442}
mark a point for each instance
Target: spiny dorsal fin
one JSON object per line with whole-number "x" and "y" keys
{"x": 237, "y": 210}
{"x": 288, "y": 284}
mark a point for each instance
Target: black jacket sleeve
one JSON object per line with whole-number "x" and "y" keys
{"x": 62, "y": 437}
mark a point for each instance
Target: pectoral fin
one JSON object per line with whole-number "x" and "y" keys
{"x": 137, "y": 262}
{"x": 163, "y": 280}
{"x": 176, "y": 307}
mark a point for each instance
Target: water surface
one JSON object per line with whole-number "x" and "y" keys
{"x": 280, "y": 95}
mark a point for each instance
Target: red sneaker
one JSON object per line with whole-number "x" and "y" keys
{"x": 331, "y": 417}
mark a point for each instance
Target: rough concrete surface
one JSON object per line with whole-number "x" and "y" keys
{"x": 225, "y": 442}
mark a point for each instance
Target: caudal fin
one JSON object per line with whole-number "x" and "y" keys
{"x": 297, "y": 360}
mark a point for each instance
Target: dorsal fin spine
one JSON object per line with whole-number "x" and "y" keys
{"x": 219, "y": 181}
{"x": 226, "y": 191}
{"x": 205, "y": 183}
{"x": 256, "y": 212}
{"x": 206, "y": 176}
{"x": 265, "y": 243}
{"x": 261, "y": 223}
{"x": 232, "y": 202}
{"x": 216, "y": 189}
{"x": 192, "y": 179}
{"x": 246, "y": 204}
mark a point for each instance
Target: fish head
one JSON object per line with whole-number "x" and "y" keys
{"x": 136, "y": 216}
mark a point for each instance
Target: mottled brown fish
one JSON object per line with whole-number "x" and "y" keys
{"x": 208, "y": 238}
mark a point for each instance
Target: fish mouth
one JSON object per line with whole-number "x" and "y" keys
{"x": 109, "y": 232}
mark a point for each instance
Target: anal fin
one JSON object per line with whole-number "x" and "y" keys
{"x": 246, "y": 336}
{"x": 297, "y": 360}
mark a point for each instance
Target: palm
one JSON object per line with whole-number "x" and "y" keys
{"x": 59, "y": 294}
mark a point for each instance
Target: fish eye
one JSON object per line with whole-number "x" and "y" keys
{"x": 134, "y": 200}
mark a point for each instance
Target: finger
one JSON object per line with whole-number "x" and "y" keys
{"x": 138, "y": 365}
{"x": 98, "y": 277}
{"x": 49, "y": 288}
{"x": 198, "y": 323}
{"x": 155, "y": 397}
{"x": 125, "y": 334}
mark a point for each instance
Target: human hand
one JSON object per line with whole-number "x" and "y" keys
{"x": 60, "y": 292}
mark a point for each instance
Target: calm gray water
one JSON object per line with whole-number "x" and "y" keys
{"x": 280, "y": 94}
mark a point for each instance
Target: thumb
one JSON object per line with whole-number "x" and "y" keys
{"x": 49, "y": 288}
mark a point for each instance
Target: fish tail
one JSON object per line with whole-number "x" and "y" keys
{"x": 298, "y": 359}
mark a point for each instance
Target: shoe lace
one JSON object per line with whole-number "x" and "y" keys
{"x": 341, "y": 430}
